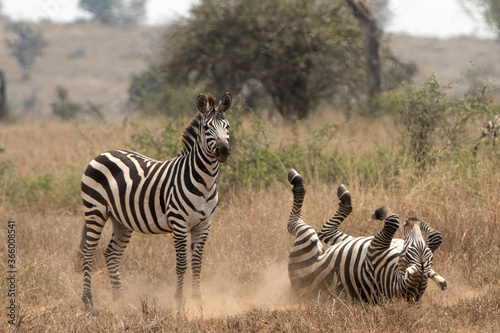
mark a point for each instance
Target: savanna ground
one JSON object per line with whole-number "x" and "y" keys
{"x": 245, "y": 283}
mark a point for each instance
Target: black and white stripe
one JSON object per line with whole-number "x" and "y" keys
{"x": 140, "y": 194}
{"x": 365, "y": 268}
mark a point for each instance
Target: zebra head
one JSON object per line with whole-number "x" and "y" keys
{"x": 415, "y": 260}
{"x": 214, "y": 125}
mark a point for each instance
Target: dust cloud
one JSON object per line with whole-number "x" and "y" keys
{"x": 221, "y": 297}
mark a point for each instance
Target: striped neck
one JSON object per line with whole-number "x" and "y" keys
{"x": 190, "y": 135}
{"x": 205, "y": 168}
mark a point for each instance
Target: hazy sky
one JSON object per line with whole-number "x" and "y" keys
{"x": 440, "y": 18}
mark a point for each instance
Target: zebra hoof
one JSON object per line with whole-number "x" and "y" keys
{"x": 381, "y": 213}
{"x": 344, "y": 195}
{"x": 89, "y": 306}
{"x": 294, "y": 178}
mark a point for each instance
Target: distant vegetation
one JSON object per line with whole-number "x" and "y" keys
{"x": 115, "y": 12}
{"x": 491, "y": 12}
{"x": 432, "y": 132}
{"x": 64, "y": 108}
{"x": 301, "y": 54}
{"x": 26, "y": 42}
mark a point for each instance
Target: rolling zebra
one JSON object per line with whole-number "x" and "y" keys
{"x": 140, "y": 194}
{"x": 490, "y": 132}
{"x": 365, "y": 268}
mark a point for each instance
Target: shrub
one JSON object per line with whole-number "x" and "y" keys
{"x": 434, "y": 124}
{"x": 63, "y": 107}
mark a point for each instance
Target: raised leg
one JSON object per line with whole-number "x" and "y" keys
{"x": 180, "y": 243}
{"x": 438, "y": 279}
{"x": 307, "y": 248}
{"x": 434, "y": 237}
{"x": 198, "y": 240}
{"x": 383, "y": 238}
{"x": 330, "y": 233}
{"x": 295, "y": 221}
{"x": 90, "y": 238}
{"x": 433, "y": 241}
{"x": 113, "y": 254}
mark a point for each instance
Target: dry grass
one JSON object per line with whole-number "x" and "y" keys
{"x": 245, "y": 282}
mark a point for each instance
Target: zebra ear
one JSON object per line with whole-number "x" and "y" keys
{"x": 225, "y": 102}
{"x": 201, "y": 103}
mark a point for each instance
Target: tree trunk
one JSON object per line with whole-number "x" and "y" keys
{"x": 371, "y": 34}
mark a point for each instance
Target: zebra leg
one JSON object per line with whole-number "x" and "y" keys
{"x": 303, "y": 233}
{"x": 330, "y": 233}
{"x": 438, "y": 279}
{"x": 383, "y": 238}
{"x": 113, "y": 254}
{"x": 180, "y": 243}
{"x": 307, "y": 248}
{"x": 198, "y": 240}
{"x": 91, "y": 234}
{"x": 295, "y": 221}
{"x": 434, "y": 238}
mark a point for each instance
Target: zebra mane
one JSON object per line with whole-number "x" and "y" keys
{"x": 190, "y": 133}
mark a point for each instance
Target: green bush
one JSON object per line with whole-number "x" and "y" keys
{"x": 160, "y": 146}
{"x": 256, "y": 158}
{"x": 64, "y": 108}
{"x": 434, "y": 124}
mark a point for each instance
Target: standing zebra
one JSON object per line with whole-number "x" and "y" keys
{"x": 138, "y": 193}
{"x": 367, "y": 268}
{"x": 490, "y": 132}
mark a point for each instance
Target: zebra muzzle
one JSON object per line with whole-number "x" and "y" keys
{"x": 222, "y": 150}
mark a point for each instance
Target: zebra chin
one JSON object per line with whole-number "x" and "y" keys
{"x": 222, "y": 150}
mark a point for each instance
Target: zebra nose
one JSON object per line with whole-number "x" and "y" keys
{"x": 222, "y": 150}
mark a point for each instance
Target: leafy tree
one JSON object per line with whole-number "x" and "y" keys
{"x": 301, "y": 51}
{"x": 492, "y": 13}
{"x": 111, "y": 12}
{"x": 26, "y": 42}
{"x": 490, "y": 10}
{"x": 102, "y": 10}
{"x": 371, "y": 34}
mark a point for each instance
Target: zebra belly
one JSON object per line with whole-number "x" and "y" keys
{"x": 349, "y": 274}
{"x": 176, "y": 216}
{"x": 344, "y": 267}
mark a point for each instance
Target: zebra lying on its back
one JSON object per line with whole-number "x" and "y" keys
{"x": 367, "y": 268}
